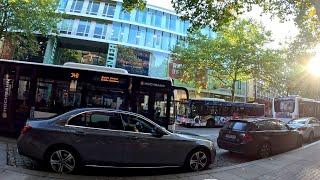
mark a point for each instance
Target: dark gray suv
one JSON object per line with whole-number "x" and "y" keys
{"x": 99, "y": 137}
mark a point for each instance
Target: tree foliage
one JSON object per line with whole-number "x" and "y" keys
{"x": 21, "y": 19}
{"x": 129, "y": 5}
{"x": 237, "y": 53}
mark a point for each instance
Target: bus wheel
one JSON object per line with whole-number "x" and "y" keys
{"x": 210, "y": 123}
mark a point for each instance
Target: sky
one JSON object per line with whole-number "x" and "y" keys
{"x": 281, "y": 32}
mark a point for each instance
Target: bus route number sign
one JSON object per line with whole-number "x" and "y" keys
{"x": 75, "y": 75}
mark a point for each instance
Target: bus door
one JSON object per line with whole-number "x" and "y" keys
{"x": 24, "y": 87}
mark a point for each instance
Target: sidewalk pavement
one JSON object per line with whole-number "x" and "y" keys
{"x": 303, "y": 163}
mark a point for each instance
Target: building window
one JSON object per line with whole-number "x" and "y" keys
{"x": 133, "y": 34}
{"x": 109, "y": 10}
{"x": 125, "y": 15}
{"x": 93, "y": 7}
{"x": 100, "y": 31}
{"x": 157, "y": 39}
{"x": 76, "y": 6}
{"x": 115, "y": 31}
{"x": 62, "y": 5}
{"x": 141, "y": 35}
{"x": 173, "y": 40}
{"x": 151, "y": 14}
{"x": 165, "y": 41}
{"x": 158, "y": 18}
{"x": 149, "y": 37}
{"x": 65, "y": 26}
{"x": 83, "y": 28}
{"x": 173, "y": 20}
{"x": 141, "y": 17}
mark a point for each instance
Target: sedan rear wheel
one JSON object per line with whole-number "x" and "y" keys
{"x": 264, "y": 151}
{"x": 62, "y": 161}
{"x": 198, "y": 160}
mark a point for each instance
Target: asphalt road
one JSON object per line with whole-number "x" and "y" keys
{"x": 223, "y": 158}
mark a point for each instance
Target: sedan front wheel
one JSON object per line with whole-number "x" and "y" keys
{"x": 197, "y": 160}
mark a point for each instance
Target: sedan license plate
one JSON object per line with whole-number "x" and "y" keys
{"x": 230, "y": 136}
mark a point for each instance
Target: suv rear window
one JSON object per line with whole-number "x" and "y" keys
{"x": 237, "y": 126}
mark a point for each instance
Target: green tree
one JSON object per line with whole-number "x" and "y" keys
{"x": 21, "y": 19}
{"x": 131, "y": 4}
{"x": 236, "y": 54}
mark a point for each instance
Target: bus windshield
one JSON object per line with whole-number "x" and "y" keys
{"x": 284, "y": 105}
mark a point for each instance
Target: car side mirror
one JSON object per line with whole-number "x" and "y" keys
{"x": 157, "y": 132}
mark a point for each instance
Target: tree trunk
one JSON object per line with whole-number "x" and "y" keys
{"x": 233, "y": 90}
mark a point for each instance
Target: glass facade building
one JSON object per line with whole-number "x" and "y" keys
{"x": 139, "y": 41}
{"x": 154, "y": 31}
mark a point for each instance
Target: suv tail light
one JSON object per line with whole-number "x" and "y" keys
{"x": 26, "y": 129}
{"x": 246, "y": 137}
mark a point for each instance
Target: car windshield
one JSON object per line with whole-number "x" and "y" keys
{"x": 298, "y": 121}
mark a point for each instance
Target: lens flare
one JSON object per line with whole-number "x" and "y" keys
{"x": 314, "y": 66}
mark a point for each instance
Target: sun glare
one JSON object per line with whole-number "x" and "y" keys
{"x": 314, "y": 65}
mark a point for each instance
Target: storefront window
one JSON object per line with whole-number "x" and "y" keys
{"x": 76, "y": 6}
{"x": 93, "y": 7}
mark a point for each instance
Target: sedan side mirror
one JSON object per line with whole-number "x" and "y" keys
{"x": 157, "y": 132}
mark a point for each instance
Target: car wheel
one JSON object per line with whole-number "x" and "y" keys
{"x": 311, "y": 137}
{"x": 197, "y": 160}
{"x": 63, "y": 160}
{"x": 264, "y": 150}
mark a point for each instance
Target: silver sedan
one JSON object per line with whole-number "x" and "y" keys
{"x": 308, "y": 127}
{"x": 111, "y": 138}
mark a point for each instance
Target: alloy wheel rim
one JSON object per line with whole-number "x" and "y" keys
{"x": 265, "y": 151}
{"x": 198, "y": 161}
{"x": 62, "y": 161}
